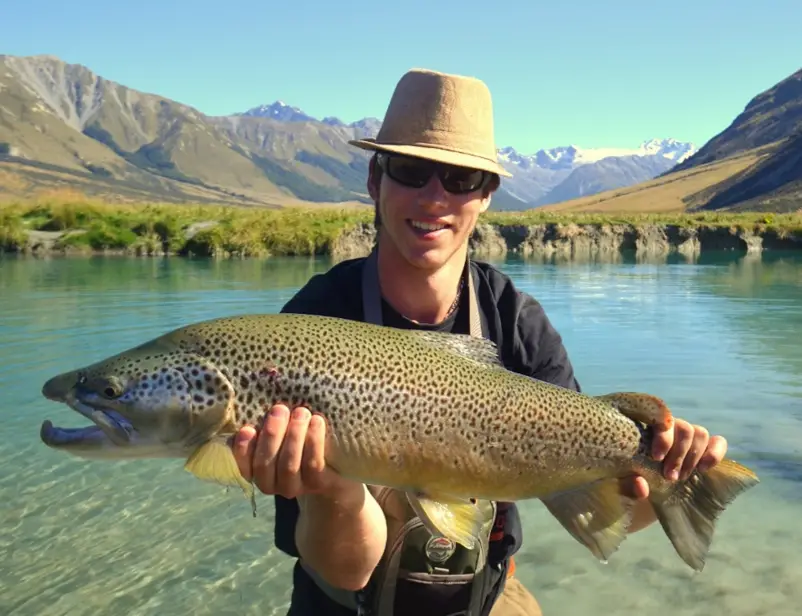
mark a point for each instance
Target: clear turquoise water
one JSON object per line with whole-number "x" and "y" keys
{"x": 719, "y": 339}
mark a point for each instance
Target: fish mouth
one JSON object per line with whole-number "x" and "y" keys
{"x": 107, "y": 425}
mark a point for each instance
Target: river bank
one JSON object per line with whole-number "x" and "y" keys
{"x": 161, "y": 230}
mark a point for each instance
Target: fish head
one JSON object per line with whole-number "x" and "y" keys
{"x": 146, "y": 402}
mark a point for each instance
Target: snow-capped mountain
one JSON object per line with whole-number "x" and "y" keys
{"x": 552, "y": 175}
{"x": 572, "y": 156}
{"x": 278, "y": 111}
{"x": 545, "y": 176}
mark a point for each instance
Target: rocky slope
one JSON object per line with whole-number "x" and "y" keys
{"x": 774, "y": 183}
{"x": 65, "y": 119}
{"x": 603, "y": 241}
{"x": 768, "y": 118}
{"x": 64, "y": 125}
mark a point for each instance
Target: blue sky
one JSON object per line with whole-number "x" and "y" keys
{"x": 604, "y": 73}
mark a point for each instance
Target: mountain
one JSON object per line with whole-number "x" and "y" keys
{"x": 774, "y": 183}
{"x": 754, "y": 164}
{"x": 607, "y": 174}
{"x": 562, "y": 173}
{"x": 62, "y": 125}
{"x": 768, "y": 118}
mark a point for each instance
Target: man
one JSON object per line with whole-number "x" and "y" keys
{"x": 432, "y": 174}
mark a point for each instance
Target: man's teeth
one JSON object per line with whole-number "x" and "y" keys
{"x": 427, "y": 226}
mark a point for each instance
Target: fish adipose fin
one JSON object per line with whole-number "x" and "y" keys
{"x": 597, "y": 515}
{"x": 689, "y": 511}
{"x": 463, "y": 521}
{"x": 645, "y": 408}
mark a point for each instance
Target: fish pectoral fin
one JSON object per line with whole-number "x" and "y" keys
{"x": 463, "y": 521}
{"x": 596, "y": 515}
{"x": 645, "y": 408}
{"x": 214, "y": 461}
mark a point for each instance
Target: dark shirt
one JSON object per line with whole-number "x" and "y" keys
{"x": 527, "y": 343}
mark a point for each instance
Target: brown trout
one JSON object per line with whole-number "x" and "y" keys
{"x": 434, "y": 415}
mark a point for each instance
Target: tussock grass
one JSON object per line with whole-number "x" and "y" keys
{"x": 177, "y": 229}
{"x": 154, "y": 228}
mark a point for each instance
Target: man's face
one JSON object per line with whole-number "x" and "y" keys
{"x": 427, "y": 225}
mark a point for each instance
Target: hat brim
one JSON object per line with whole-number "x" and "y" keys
{"x": 437, "y": 154}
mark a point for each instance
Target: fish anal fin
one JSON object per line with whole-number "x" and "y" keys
{"x": 467, "y": 522}
{"x": 214, "y": 461}
{"x": 597, "y": 515}
{"x": 645, "y": 408}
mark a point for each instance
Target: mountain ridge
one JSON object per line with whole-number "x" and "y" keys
{"x": 65, "y": 116}
{"x": 767, "y": 118}
{"x": 62, "y": 125}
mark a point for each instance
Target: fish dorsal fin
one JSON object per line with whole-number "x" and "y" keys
{"x": 479, "y": 350}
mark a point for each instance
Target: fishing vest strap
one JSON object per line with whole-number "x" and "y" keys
{"x": 371, "y": 295}
{"x": 418, "y": 571}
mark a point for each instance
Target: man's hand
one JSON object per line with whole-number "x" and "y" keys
{"x": 286, "y": 457}
{"x": 682, "y": 447}
{"x": 341, "y": 530}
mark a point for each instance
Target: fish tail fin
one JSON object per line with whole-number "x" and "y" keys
{"x": 688, "y": 511}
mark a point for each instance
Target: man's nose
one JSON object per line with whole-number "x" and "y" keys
{"x": 433, "y": 193}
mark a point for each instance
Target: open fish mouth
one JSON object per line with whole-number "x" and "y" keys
{"x": 107, "y": 424}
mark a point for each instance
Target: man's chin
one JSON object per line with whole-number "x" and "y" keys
{"x": 431, "y": 258}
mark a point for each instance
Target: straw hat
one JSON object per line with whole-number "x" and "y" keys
{"x": 441, "y": 117}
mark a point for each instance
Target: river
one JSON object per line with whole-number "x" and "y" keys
{"x": 720, "y": 339}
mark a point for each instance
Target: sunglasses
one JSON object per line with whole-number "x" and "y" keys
{"x": 416, "y": 172}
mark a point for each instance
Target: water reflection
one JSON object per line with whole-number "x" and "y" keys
{"x": 718, "y": 337}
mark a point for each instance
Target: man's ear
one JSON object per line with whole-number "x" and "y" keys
{"x": 374, "y": 178}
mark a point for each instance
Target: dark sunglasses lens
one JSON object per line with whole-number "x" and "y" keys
{"x": 416, "y": 173}
{"x": 457, "y": 180}
{"x": 409, "y": 171}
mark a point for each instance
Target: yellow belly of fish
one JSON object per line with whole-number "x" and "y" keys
{"x": 416, "y": 467}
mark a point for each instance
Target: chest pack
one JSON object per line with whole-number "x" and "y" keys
{"x": 419, "y": 572}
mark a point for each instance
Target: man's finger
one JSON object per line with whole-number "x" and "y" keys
{"x": 244, "y": 445}
{"x": 635, "y": 487}
{"x": 271, "y": 437}
{"x": 313, "y": 465}
{"x": 700, "y": 439}
{"x": 288, "y": 465}
{"x": 663, "y": 438}
{"x": 683, "y": 439}
{"x": 716, "y": 450}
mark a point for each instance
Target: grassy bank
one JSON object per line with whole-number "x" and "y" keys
{"x": 179, "y": 229}
{"x": 86, "y": 226}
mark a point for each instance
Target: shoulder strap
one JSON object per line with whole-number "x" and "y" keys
{"x": 371, "y": 295}
{"x": 372, "y": 309}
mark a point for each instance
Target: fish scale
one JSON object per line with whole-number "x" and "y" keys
{"x": 433, "y": 414}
